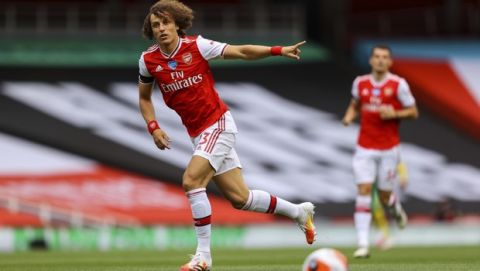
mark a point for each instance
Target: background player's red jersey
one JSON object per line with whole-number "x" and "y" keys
{"x": 186, "y": 82}
{"x": 393, "y": 91}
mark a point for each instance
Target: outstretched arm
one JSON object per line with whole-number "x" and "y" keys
{"x": 160, "y": 138}
{"x": 253, "y": 52}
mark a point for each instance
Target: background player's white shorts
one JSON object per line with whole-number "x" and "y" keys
{"x": 216, "y": 144}
{"x": 381, "y": 165}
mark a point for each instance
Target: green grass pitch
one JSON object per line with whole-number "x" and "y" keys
{"x": 418, "y": 259}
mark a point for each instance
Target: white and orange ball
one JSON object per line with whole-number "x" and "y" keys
{"x": 325, "y": 259}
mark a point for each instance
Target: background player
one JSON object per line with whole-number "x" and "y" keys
{"x": 382, "y": 99}
{"x": 179, "y": 65}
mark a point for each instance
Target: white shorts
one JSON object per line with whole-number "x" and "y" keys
{"x": 216, "y": 144}
{"x": 380, "y": 165}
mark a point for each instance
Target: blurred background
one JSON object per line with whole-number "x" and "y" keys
{"x": 78, "y": 169}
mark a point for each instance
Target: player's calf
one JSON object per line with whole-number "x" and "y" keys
{"x": 238, "y": 201}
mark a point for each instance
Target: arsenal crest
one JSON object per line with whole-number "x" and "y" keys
{"x": 388, "y": 92}
{"x": 187, "y": 58}
{"x": 364, "y": 92}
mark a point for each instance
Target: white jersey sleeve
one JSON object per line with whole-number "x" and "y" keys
{"x": 404, "y": 94}
{"x": 142, "y": 68}
{"x": 210, "y": 49}
{"x": 355, "y": 89}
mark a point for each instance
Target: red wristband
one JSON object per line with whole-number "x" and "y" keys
{"x": 276, "y": 50}
{"x": 152, "y": 126}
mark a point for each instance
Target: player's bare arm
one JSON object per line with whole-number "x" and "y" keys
{"x": 160, "y": 138}
{"x": 253, "y": 52}
{"x": 388, "y": 113}
{"x": 351, "y": 113}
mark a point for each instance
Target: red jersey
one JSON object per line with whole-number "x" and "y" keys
{"x": 393, "y": 91}
{"x": 185, "y": 80}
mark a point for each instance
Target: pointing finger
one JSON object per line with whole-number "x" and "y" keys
{"x": 299, "y": 44}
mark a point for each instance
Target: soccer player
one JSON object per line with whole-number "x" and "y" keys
{"x": 381, "y": 99}
{"x": 179, "y": 65}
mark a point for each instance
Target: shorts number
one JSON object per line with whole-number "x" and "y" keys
{"x": 204, "y": 138}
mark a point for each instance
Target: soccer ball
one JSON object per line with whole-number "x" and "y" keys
{"x": 325, "y": 259}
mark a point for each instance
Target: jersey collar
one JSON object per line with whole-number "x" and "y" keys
{"x": 379, "y": 83}
{"x": 174, "y": 52}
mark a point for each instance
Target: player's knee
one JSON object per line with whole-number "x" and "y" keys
{"x": 365, "y": 189}
{"x": 190, "y": 182}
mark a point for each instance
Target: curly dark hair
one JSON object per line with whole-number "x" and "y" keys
{"x": 179, "y": 12}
